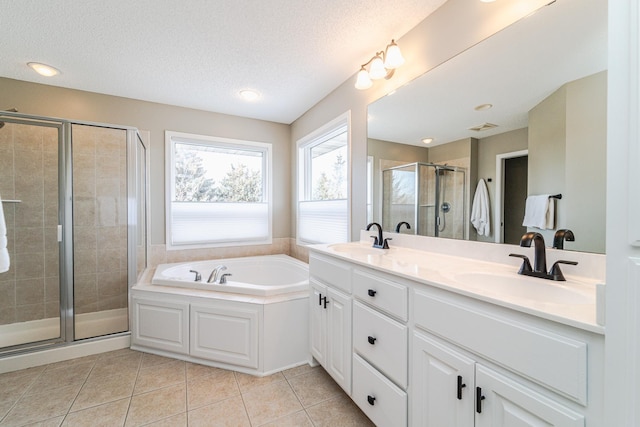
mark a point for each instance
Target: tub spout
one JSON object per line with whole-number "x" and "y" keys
{"x": 213, "y": 277}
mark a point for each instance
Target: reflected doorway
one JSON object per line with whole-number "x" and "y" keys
{"x": 515, "y": 196}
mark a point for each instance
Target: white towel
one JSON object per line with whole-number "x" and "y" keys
{"x": 539, "y": 212}
{"x": 480, "y": 210}
{"x": 4, "y": 253}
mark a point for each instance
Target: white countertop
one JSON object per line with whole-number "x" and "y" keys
{"x": 573, "y": 302}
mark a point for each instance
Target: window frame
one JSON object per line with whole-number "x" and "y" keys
{"x": 304, "y": 188}
{"x": 173, "y": 137}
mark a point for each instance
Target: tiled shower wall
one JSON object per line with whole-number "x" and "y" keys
{"x": 100, "y": 218}
{"x": 29, "y": 172}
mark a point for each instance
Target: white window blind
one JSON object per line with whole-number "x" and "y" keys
{"x": 202, "y": 223}
{"x": 323, "y": 221}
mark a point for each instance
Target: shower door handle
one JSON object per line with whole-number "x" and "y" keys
{"x": 59, "y": 233}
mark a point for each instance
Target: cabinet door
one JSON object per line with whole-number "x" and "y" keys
{"x": 318, "y": 322}
{"x": 443, "y": 385}
{"x": 226, "y": 333}
{"x": 505, "y": 402}
{"x": 160, "y": 324}
{"x": 338, "y": 363}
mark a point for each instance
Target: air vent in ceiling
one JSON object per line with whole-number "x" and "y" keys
{"x": 484, "y": 126}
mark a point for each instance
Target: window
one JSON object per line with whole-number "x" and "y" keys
{"x": 323, "y": 184}
{"x": 218, "y": 191}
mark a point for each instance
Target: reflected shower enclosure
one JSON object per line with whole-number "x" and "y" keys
{"x": 428, "y": 196}
{"x": 74, "y": 203}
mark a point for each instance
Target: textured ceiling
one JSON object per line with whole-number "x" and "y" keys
{"x": 201, "y": 53}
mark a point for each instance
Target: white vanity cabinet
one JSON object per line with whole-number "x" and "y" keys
{"x": 330, "y": 318}
{"x": 380, "y": 347}
{"x": 451, "y": 389}
{"x": 429, "y": 354}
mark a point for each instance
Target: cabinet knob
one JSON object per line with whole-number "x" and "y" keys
{"x": 371, "y": 400}
{"x": 479, "y": 399}
{"x": 371, "y": 293}
{"x": 372, "y": 340}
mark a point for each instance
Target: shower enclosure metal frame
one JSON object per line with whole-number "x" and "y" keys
{"x": 135, "y": 202}
{"x": 417, "y": 185}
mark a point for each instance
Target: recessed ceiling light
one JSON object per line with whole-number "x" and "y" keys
{"x": 249, "y": 95}
{"x": 43, "y": 69}
{"x": 483, "y": 107}
{"x": 427, "y": 140}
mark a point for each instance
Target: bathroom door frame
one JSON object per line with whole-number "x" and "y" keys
{"x": 498, "y": 214}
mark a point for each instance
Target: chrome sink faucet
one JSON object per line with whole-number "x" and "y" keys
{"x": 213, "y": 277}
{"x": 379, "y": 241}
{"x": 539, "y": 259}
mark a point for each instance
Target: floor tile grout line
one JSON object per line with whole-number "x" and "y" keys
{"x": 78, "y": 394}
{"x": 132, "y": 391}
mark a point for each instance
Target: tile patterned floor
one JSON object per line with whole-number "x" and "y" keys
{"x": 130, "y": 388}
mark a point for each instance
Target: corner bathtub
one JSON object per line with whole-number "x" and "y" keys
{"x": 261, "y": 276}
{"x": 256, "y": 323}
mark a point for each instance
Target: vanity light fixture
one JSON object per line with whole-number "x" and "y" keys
{"x": 381, "y": 65}
{"x": 249, "y": 95}
{"x": 427, "y": 140}
{"x": 43, "y": 69}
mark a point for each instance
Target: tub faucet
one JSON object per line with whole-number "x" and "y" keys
{"x": 198, "y": 276}
{"x": 379, "y": 241}
{"x": 213, "y": 277}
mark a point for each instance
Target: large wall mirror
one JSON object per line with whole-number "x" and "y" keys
{"x": 524, "y": 111}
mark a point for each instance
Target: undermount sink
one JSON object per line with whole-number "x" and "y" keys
{"x": 356, "y": 249}
{"x": 505, "y": 285}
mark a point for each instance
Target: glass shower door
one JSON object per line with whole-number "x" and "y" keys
{"x": 100, "y": 223}
{"x": 30, "y": 290}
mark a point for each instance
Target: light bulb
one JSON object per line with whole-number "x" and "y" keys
{"x": 363, "y": 81}
{"x": 393, "y": 57}
{"x": 377, "y": 70}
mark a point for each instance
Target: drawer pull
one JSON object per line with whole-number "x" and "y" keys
{"x": 460, "y": 387}
{"x": 371, "y": 293}
{"x": 371, "y": 400}
{"x": 479, "y": 399}
{"x": 372, "y": 340}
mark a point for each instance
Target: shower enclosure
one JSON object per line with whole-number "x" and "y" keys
{"x": 74, "y": 204}
{"x": 428, "y": 196}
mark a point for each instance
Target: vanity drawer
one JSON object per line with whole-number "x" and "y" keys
{"x": 332, "y": 272}
{"x": 384, "y": 294}
{"x": 383, "y": 402}
{"x": 551, "y": 359}
{"x": 382, "y": 341}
